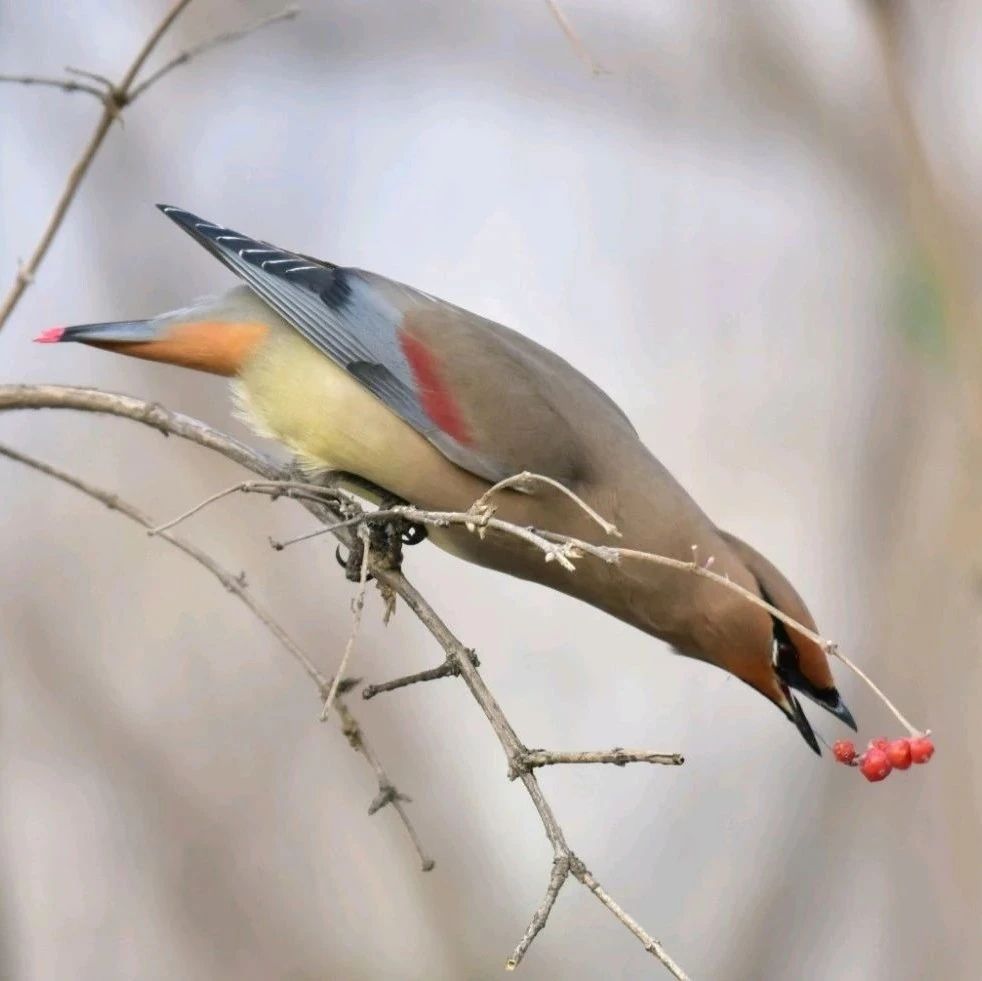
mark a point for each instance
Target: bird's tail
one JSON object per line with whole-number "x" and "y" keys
{"x": 120, "y": 332}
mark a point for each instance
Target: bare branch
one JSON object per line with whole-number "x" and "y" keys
{"x": 112, "y": 103}
{"x": 356, "y": 610}
{"x": 65, "y": 84}
{"x": 533, "y": 758}
{"x": 271, "y": 488}
{"x": 514, "y": 749}
{"x": 106, "y": 83}
{"x": 557, "y": 879}
{"x": 574, "y": 39}
{"x": 151, "y": 414}
{"x": 92, "y": 400}
{"x": 356, "y": 739}
{"x": 237, "y": 587}
{"x": 114, "y": 98}
{"x": 556, "y": 550}
{"x": 227, "y": 37}
{"x": 448, "y": 669}
{"x": 524, "y": 480}
{"x": 578, "y": 869}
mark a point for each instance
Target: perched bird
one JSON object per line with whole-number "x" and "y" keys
{"x": 357, "y": 373}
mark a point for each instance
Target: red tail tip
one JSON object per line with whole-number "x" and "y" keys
{"x": 50, "y": 336}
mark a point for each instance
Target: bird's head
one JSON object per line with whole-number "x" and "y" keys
{"x": 774, "y": 658}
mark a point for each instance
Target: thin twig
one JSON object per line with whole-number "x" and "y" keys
{"x": 574, "y": 39}
{"x": 227, "y": 37}
{"x": 649, "y": 943}
{"x": 274, "y": 489}
{"x": 167, "y": 525}
{"x": 521, "y": 481}
{"x": 106, "y": 83}
{"x": 112, "y": 103}
{"x": 558, "y": 875}
{"x": 65, "y": 84}
{"x": 448, "y": 669}
{"x": 237, "y": 587}
{"x": 356, "y": 610}
{"x": 114, "y": 99}
{"x": 560, "y": 551}
{"x": 619, "y": 757}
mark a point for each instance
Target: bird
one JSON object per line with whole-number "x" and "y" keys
{"x": 433, "y": 405}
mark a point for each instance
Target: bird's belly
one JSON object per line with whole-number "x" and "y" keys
{"x": 292, "y": 393}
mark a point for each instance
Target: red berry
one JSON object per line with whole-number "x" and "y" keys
{"x": 921, "y": 749}
{"x": 898, "y": 753}
{"x": 875, "y": 765}
{"x": 880, "y": 743}
{"x": 844, "y": 751}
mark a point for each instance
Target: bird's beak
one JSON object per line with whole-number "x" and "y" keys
{"x": 791, "y": 707}
{"x": 832, "y": 702}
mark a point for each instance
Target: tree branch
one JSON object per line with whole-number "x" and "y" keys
{"x": 446, "y": 670}
{"x": 226, "y": 37}
{"x": 236, "y": 585}
{"x": 65, "y": 84}
{"x": 565, "y": 862}
{"x": 525, "y": 481}
{"x": 114, "y": 98}
{"x": 619, "y": 757}
{"x": 574, "y": 39}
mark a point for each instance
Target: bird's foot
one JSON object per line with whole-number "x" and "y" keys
{"x": 386, "y": 540}
{"x": 389, "y": 536}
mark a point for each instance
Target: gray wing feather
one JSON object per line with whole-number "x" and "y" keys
{"x": 345, "y": 315}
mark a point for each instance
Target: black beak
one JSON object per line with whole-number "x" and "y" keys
{"x": 798, "y": 717}
{"x": 786, "y": 665}
{"x": 831, "y": 701}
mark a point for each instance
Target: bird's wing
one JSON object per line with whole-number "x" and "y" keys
{"x": 492, "y": 401}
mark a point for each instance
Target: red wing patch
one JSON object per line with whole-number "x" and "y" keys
{"x": 437, "y": 400}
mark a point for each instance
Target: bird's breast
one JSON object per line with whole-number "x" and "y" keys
{"x": 291, "y": 392}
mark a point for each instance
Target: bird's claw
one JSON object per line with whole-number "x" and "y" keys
{"x": 386, "y": 541}
{"x": 351, "y": 563}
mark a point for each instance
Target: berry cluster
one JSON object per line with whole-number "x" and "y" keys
{"x": 884, "y": 755}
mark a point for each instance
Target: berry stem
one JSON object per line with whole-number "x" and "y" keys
{"x": 833, "y": 651}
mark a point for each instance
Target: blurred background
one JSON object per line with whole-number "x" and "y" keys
{"x": 733, "y": 233}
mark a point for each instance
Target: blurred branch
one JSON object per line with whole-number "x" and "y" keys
{"x": 228, "y": 37}
{"x": 930, "y": 211}
{"x": 574, "y": 39}
{"x": 565, "y": 861}
{"x": 236, "y": 585}
{"x": 940, "y": 236}
{"x": 65, "y": 84}
{"x": 115, "y": 97}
